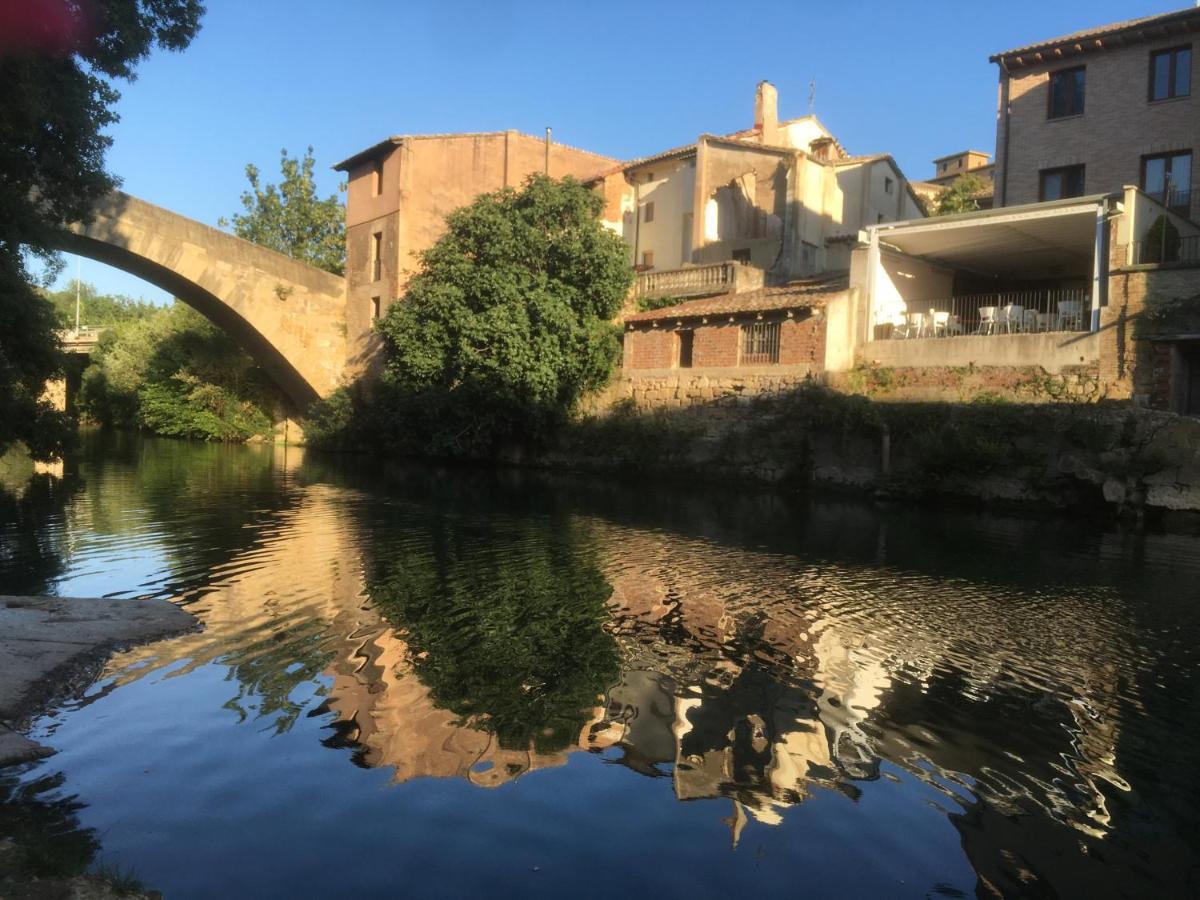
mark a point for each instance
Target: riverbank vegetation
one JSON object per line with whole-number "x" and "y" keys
{"x": 174, "y": 373}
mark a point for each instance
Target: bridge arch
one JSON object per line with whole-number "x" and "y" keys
{"x": 290, "y": 317}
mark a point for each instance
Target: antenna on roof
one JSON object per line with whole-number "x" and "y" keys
{"x": 812, "y": 91}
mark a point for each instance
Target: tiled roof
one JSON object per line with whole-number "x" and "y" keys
{"x": 810, "y": 292}
{"x": 1088, "y": 34}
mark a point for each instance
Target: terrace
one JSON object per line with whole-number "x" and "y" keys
{"x": 1012, "y": 286}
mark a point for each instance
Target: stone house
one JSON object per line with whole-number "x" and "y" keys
{"x": 1099, "y": 109}
{"x": 781, "y": 198}
{"x": 948, "y": 169}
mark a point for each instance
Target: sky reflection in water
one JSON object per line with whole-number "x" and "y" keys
{"x": 452, "y": 682}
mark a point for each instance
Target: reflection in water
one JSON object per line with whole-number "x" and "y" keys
{"x": 1037, "y": 684}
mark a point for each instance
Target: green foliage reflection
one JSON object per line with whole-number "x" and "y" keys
{"x": 505, "y": 626}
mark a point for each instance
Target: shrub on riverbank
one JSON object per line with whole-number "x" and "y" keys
{"x": 175, "y": 374}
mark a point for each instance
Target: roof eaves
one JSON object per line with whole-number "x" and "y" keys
{"x": 1191, "y": 14}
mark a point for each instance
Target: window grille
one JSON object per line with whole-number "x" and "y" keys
{"x": 760, "y": 343}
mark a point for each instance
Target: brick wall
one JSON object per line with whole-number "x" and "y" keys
{"x": 802, "y": 342}
{"x": 1118, "y": 126}
{"x": 715, "y": 345}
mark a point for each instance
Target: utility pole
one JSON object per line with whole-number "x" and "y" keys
{"x": 78, "y": 275}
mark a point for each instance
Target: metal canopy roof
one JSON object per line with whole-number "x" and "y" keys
{"x": 1031, "y": 241}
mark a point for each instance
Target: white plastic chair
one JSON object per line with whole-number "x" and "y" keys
{"x": 900, "y": 325}
{"x": 1069, "y": 315}
{"x": 939, "y": 322}
{"x": 916, "y": 324}
{"x": 954, "y": 325}
{"x": 1030, "y": 321}
{"x": 987, "y": 320}
{"x": 1010, "y": 317}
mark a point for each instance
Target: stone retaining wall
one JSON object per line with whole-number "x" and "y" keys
{"x": 677, "y": 388}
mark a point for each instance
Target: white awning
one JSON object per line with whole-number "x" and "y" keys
{"x": 1032, "y": 241}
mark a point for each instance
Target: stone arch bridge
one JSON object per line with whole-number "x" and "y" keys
{"x": 290, "y": 317}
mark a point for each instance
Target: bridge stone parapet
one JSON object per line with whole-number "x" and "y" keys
{"x": 290, "y": 317}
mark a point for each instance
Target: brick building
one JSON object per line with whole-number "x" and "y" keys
{"x": 736, "y": 343}
{"x": 1097, "y": 110}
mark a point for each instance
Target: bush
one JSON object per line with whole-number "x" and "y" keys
{"x": 176, "y": 374}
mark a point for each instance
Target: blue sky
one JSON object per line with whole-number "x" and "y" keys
{"x": 620, "y": 78}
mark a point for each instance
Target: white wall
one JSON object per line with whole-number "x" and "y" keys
{"x": 669, "y": 235}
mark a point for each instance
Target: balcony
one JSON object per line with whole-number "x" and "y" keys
{"x": 698, "y": 281}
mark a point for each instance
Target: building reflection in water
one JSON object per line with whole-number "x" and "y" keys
{"x": 450, "y": 644}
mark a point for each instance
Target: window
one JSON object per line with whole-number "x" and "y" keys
{"x": 808, "y": 257}
{"x": 377, "y": 178}
{"x": 1167, "y": 177}
{"x": 647, "y": 260}
{"x": 942, "y": 167}
{"x": 377, "y": 256}
{"x": 1171, "y": 73}
{"x": 742, "y": 255}
{"x": 648, "y": 212}
{"x": 684, "y": 340}
{"x": 888, "y": 184}
{"x": 375, "y": 308}
{"x": 1055, "y": 184}
{"x": 760, "y": 343}
{"x": 649, "y": 177}
{"x": 1066, "y": 92}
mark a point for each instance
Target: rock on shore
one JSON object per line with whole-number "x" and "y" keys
{"x": 52, "y": 647}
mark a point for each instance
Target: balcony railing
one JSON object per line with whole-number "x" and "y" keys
{"x": 1168, "y": 248}
{"x": 1005, "y": 312}
{"x": 690, "y": 282}
{"x": 1174, "y": 200}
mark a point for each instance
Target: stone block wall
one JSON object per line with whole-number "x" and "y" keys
{"x": 689, "y": 388}
{"x": 1127, "y": 365}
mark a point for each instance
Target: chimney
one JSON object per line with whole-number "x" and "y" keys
{"x": 766, "y": 112}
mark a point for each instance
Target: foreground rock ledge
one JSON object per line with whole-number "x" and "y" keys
{"x": 52, "y": 647}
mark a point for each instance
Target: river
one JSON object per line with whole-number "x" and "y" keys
{"x": 447, "y": 682}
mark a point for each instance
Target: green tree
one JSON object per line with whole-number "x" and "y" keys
{"x": 291, "y": 219}
{"x": 508, "y": 322}
{"x": 96, "y": 310}
{"x": 176, "y": 374}
{"x": 58, "y": 73}
{"x": 962, "y": 195}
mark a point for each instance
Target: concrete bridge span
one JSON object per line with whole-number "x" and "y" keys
{"x": 290, "y": 317}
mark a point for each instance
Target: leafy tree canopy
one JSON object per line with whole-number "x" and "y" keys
{"x": 962, "y": 195}
{"x": 291, "y": 219}
{"x": 508, "y": 322}
{"x": 58, "y": 62}
{"x": 176, "y": 374}
{"x": 96, "y": 310}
